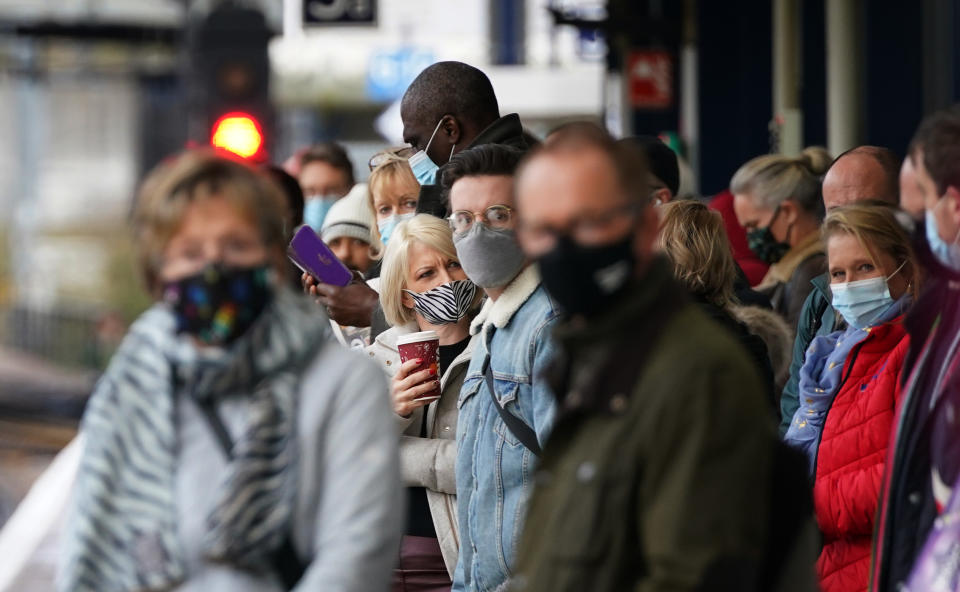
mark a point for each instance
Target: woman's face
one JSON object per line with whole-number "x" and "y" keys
{"x": 850, "y": 262}
{"x": 429, "y": 268}
{"x": 396, "y": 197}
{"x": 212, "y": 231}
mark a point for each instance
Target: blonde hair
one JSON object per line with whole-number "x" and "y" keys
{"x": 425, "y": 229}
{"x": 395, "y": 170}
{"x": 877, "y": 230}
{"x": 694, "y": 240}
{"x": 197, "y": 175}
{"x": 772, "y": 179}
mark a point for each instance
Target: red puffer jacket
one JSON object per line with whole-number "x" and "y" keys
{"x": 851, "y": 456}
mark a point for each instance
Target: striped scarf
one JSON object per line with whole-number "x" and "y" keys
{"x": 122, "y": 533}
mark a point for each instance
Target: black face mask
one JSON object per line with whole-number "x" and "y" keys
{"x": 763, "y": 244}
{"x": 585, "y": 280}
{"x": 218, "y": 304}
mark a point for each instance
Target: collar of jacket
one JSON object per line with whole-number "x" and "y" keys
{"x": 499, "y": 312}
{"x": 504, "y": 130}
{"x": 620, "y": 339}
{"x": 781, "y": 271}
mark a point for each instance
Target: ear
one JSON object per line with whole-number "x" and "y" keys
{"x": 789, "y": 211}
{"x": 663, "y": 195}
{"x": 452, "y": 129}
{"x": 407, "y": 300}
{"x": 952, "y": 195}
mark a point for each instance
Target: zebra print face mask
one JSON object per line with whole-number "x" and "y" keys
{"x": 445, "y": 304}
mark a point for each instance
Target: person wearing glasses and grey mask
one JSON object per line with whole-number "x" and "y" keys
{"x": 506, "y": 409}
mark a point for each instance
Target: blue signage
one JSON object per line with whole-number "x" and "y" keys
{"x": 390, "y": 72}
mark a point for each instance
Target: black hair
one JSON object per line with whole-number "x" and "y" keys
{"x": 486, "y": 159}
{"x": 939, "y": 138}
{"x": 452, "y": 88}
{"x": 291, "y": 190}
{"x": 333, "y": 154}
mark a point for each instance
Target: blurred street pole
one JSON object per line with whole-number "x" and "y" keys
{"x": 30, "y": 134}
{"x": 787, "y": 54}
{"x": 844, "y": 76}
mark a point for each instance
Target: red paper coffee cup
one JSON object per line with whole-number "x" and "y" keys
{"x": 424, "y": 345}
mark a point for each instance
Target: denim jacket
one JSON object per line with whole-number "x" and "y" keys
{"x": 494, "y": 470}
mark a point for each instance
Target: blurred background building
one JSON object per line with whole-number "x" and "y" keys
{"x": 93, "y": 93}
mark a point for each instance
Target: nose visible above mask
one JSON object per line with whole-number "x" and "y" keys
{"x": 862, "y": 302}
{"x": 386, "y": 227}
{"x": 315, "y": 209}
{"x": 947, "y": 253}
{"x": 423, "y": 167}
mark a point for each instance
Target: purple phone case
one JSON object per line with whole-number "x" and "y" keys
{"x": 310, "y": 254}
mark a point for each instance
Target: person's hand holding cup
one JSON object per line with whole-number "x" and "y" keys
{"x": 417, "y": 381}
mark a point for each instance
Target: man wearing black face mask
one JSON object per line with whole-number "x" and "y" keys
{"x": 658, "y": 472}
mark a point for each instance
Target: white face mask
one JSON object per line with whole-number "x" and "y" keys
{"x": 862, "y": 302}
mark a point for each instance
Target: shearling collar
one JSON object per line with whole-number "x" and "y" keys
{"x": 499, "y": 312}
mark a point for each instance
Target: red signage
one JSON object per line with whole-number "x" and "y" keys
{"x": 650, "y": 79}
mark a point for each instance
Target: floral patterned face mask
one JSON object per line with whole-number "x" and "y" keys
{"x": 218, "y": 304}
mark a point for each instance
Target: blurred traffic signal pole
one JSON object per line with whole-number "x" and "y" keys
{"x": 228, "y": 81}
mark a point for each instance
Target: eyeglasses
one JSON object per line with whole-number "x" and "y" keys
{"x": 587, "y": 230}
{"x": 497, "y": 217}
{"x": 395, "y": 153}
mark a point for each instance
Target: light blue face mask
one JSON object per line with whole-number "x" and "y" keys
{"x": 315, "y": 209}
{"x": 424, "y": 169}
{"x": 863, "y": 302}
{"x": 386, "y": 227}
{"x": 946, "y": 253}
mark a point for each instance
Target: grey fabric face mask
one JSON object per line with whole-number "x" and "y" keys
{"x": 490, "y": 258}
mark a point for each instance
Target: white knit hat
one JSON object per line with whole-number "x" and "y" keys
{"x": 351, "y": 216}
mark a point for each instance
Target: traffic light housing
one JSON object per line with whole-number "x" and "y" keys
{"x": 229, "y": 81}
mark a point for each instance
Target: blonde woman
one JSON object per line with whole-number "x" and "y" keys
{"x": 393, "y": 194}
{"x": 849, "y": 385}
{"x": 221, "y": 446}
{"x": 694, "y": 240}
{"x": 777, "y": 200}
{"x": 423, "y": 288}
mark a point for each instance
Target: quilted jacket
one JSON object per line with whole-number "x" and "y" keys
{"x": 850, "y": 461}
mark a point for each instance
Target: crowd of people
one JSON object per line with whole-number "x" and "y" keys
{"x": 613, "y": 364}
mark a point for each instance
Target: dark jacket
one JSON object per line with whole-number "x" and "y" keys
{"x": 507, "y": 131}
{"x": 818, "y": 317}
{"x": 753, "y": 345}
{"x": 925, "y": 442}
{"x": 656, "y": 475}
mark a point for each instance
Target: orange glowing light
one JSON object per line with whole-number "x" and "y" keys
{"x": 238, "y": 133}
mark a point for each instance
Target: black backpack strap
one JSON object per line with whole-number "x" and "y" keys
{"x": 520, "y": 430}
{"x": 284, "y": 560}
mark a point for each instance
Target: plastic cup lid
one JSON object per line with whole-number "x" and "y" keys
{"x": 417, "y": 337}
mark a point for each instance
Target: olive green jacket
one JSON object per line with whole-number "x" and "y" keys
{"x": 656, "y": 476}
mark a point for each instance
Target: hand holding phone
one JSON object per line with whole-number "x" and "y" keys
{"x": 311, "y": 255}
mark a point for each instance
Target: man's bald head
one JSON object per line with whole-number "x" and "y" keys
{"x": 862, "y": 173}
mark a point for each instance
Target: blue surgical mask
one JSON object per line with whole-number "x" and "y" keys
{"x": 386, "y": 227}
{"x": 315, "y": 209}
{"x": 947, "y": 253}
{"x": 424, "y": 169}
{"x": 863, "y": 302}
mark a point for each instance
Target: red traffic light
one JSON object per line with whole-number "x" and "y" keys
{"x": 239, "y": 133}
